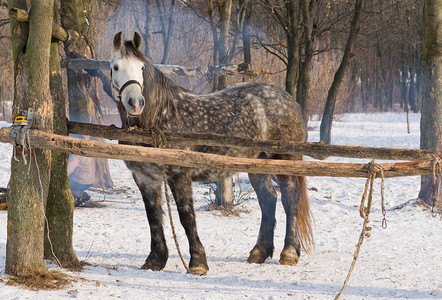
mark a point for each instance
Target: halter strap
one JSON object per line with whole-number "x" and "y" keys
{"x": 125, "y": 85}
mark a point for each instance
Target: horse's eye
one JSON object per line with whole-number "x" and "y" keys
{"x": 142, "y": 68}
{"x": 115, "y": 68}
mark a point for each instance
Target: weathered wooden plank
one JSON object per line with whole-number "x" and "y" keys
{"x": 315, "y": 150}
{"x": 39, "y": 139}
{"x": 93, "y": 64}
{"x": 88, "y": 64}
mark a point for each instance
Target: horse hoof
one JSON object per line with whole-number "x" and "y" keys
{"x": 256, "y": 257}
{"x": 200, "y": 270}
{"x": 150, "y": 265}
{"x": 288, "y": 258}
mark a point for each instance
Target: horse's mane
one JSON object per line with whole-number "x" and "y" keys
{"x": 160, "y": 92}
{"x": 161, "y": 95}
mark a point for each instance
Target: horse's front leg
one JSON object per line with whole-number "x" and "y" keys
{"x": 151, "y": 193}
{"x": 181, "y": 186}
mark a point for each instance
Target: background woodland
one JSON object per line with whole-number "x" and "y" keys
{"x": 384, "y": 73}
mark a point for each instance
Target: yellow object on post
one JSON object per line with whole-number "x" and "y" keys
{"x": 20, "y": 120}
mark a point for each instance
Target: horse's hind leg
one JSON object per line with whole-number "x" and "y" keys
{"x": 151, "y": 193}
{"x": 290, "y": 198}
{"x": 181, "y": 187}
{"x": 263, "y": 187}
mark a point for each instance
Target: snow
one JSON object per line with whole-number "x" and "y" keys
{"x": 400, "y": 262}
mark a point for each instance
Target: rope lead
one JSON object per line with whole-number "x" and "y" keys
{"x": 364, "y": 211}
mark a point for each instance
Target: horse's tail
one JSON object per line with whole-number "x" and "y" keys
{"x": 305, "y": 228}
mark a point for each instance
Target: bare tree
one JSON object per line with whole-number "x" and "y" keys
{"x": 221, "y": 38}
{"x": 30, "y": 177}
{"x": 224, "y": 190}
{"x": 303, "y": 84}
{"x": 431, "y": 116}
{"x": 147, "y": 34}
{"x": 166, "y": 17}
{"x": 287, "y": 15}
{"x": 327, "y": 118}
{"x": 5, "y": 64}
{"x": 246, "y": 28}
{"x": 60, "y": 201}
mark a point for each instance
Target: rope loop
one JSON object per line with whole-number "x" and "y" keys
{"x": 373, "y": 170}
{"x": 159, "y": 138}
{"x": 364, "y": 210}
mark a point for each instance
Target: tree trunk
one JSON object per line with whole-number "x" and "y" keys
{"x": 224, "y": 190}
{"x": 293, "y": 38}
{"x": 148, "y": 30}
{"x": 431, "y": 112}
{"x": 246, "y": 31}
{"x": 412, "y": 90}
{"x": 166, "y": 26}
{"x": 30, "y": 180}
{"x": 60, "y": 202}
{"x": 225, "y": 12}
{"x": 84, "y": 103}
{"x": 327, "y": 118}
{"x": 418, "y": 86}
{"x": 404, "y": 88}
{"x": 303, "y": 86}
{"x": 170, "y": 24}
{"x": 380, "y": 81}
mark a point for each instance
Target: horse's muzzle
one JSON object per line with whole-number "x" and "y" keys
{"x": 135, "y": 107}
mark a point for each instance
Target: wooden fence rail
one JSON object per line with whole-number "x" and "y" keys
{"x": 39, "y": 139}
{"x": 102, "y": 64}
{"x": 315, "y": 150}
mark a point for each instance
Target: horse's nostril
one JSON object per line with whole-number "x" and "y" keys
{"x": 131, "y": 102}
{"x": 142, "y": 102}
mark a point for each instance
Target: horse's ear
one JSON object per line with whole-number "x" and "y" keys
{"x": 117, "y": 41}
{"x": 137, "y": 40}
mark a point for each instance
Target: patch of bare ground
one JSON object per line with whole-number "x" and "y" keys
{"x": 225, "y": 211}
{"x": 50, "y": 280}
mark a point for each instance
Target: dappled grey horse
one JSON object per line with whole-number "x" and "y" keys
{"x": 148, "y": 99}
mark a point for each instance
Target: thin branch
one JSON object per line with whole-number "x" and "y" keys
{"x": 195, "y": 11}
{"x": 275, "y": 15}
{"x": 281, "y": 56}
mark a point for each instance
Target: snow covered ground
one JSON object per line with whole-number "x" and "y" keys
{"x": 401, "y": 262}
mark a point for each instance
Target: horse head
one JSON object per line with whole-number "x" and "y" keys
{"x": 127, "y": 68}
